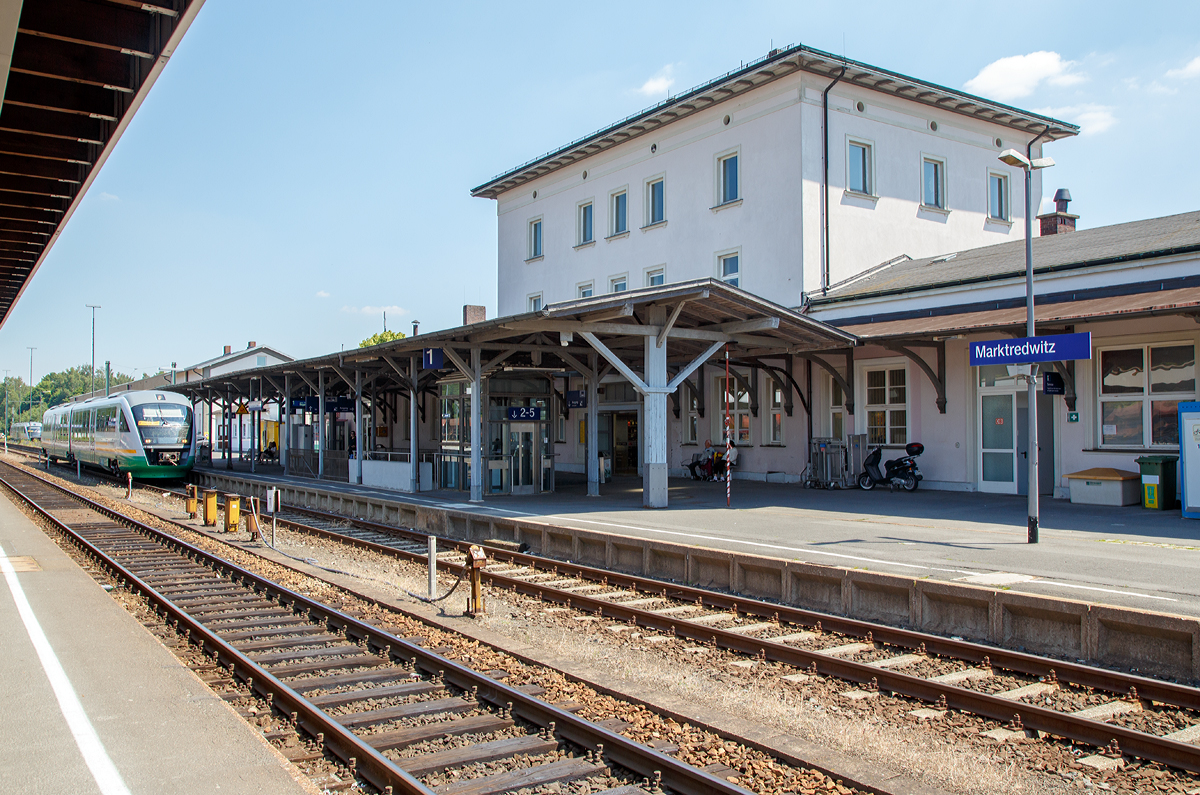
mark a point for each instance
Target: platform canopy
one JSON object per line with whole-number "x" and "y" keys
{"x": 654, "y": 337}
{"x": 74, "y": 72}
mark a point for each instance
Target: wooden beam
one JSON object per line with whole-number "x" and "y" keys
{"x": 662, "y": 335}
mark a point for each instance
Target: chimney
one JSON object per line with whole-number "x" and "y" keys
{"x": 251, "y": 344}
{"x": 473, "y": 314}
{"x": 228, "y": 349}
{"x": 1060, "y": 221}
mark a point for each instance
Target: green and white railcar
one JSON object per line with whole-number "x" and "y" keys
{"x": 149, "y": 434}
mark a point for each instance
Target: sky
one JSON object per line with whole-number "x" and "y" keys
{"x": 300, "y": 168}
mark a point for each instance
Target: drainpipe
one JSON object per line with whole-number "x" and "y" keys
{"x": 825, "y": 178}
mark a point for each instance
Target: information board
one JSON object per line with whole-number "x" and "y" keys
{"x": 1027, "y": 350}
{"x": 576, "y": 399}
{"x": 527, "y": 413}
{"x": 432, "y": 359}
{"x": 1189, "y": 458}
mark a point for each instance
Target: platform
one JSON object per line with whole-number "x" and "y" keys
{"x": 162, "y": 729}
{"x": 1130, "y": 556}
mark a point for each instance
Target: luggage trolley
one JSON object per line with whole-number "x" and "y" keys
{"x": 829, "y": 466}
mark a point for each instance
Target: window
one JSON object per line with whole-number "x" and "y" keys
{"x": 655, "y": 277}
{"x": 655, "y": 202}
{"x": 691, "y": 422}
{"x": 262, "y": 361}
{"x": 585, "y": 224}
{"x": 535, "y": 239}
{"x": 933, "y": 183}
{"x": 584, "y": 290}
{"x": 887, "y": 407}
{"x": 998, "y": 197}
{"x": 1139, "y": 406}
{"x": 618, "y": 284}
{"x": 619, "y": 213}
{"x": 729, "y": 179}
{"x": 729, "y": 269}
{"x": 775, "y": 413}
{"x": 858, "y": 174}
{"x": 837, "y": 411}
{"x": 535, "y": 302}
{"x": 738, "y": 401}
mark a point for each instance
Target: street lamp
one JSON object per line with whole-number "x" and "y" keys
{"x": 31, "y": 350}
{"x": 93, "y": 307}
{"x": 1029, "y": 164}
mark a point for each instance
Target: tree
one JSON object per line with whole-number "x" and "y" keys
{"x": 28, "y": 405}
{"x": 381, "y": 337}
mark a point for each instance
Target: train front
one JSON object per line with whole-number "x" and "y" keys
{"x": 164, "y": 432}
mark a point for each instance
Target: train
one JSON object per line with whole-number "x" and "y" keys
{"x": 150, "y": 434}
{"x": 25, "y": 432}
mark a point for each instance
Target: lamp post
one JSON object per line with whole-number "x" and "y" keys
{"x": 1029, "y": 164}
{"x": 31, "y": 350}
{"x": 93, "y": 307}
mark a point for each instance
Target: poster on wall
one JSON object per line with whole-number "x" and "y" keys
{"x": 1189, "y": 458}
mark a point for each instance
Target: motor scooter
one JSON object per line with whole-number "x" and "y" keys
{"x": 901, "y": 471}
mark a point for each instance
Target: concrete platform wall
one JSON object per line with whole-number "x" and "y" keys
{"x": 1151, "y": 643}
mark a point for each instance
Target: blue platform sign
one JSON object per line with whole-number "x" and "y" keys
{"x": 432, "y": 359}
{"x": 527, "y": 413}
{"x": 576, "y": 399}
{"x": 1027, "y": 350}
{"x": 312, "y": 403}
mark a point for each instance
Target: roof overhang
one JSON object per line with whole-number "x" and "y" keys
{"x": 701, "y": 314}
{"x": 79, "y": 70}
{"x": 777, "y": 64}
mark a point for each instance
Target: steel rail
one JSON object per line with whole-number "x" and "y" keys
{"x": 357, "y": 754}
{"x": 627, "y": 753}
{"x": 1114, "y": 682}
{"x": 1146, "y": 746}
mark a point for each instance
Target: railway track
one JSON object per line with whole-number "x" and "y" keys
{"x": 1119, "y": 714}
{"x": 387, "y": 708}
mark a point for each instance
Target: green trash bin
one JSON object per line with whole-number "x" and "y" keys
{"x": 1158, "y": 481}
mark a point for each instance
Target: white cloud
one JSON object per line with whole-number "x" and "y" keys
{"x": 1020, "y": 75}
{"x": 1092, "y": 119}
{"x": 1156, "y": 87}
{"x": 109, "y": 197}
{"x": 375, "y": 310}
{"x": 1189, "y": 70}
{"x": 322, "y": 294}
{"x": 660, "y": 84}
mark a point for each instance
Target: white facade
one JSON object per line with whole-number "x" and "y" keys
{"x": 775, "y": 225}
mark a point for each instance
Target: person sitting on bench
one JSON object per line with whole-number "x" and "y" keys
{"x": 703, "y": 463}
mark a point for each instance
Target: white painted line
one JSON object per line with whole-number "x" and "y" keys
{"x": 103, "y": 770}
{"x": 1105, "y": 590}
{"x": 760, "y": 545}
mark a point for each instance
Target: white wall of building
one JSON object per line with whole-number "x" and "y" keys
{"x": 777, "y": 228}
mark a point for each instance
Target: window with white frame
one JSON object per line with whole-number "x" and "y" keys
{"x": 655, "y": 277}
{"x": 618, "y": 284}
{"x": 656, "y": 208}
{"x": 998, "y": 196}
{"x": 837, "y": 410}
{"x": 729, "y": 268}
{"x": 535, "y": 238}
{"x": 1140, "y": 388}
{"x": 887, "y": 406}
{"x": 691, "y": 420}
{"x": 737, "y": 399}
{"x": 586, "y": 233}
{"x": 858, "y": 168}
{"x": 535, "y": 302}
{"x": 775, "y": 390}
{"x": 619, "y": 212}
{"x": 933, "y": 182}
{"x": 584, "y": 290}
{"x": 727, "y": 168}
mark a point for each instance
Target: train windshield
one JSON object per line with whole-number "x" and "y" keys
{"x": 163, "y": 423}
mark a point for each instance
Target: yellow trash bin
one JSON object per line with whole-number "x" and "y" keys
{"x": 210, "y": 508}
{"x": 190, "y": 503}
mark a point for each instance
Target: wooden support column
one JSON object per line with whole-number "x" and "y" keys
{"x": 593, "y": 421}
{"x": 320, "y": 424}
{"x": 414, "y": 472}
{"x": 285, "y": 405}
{"x": 477, "y": 440}
{"x": 358, "y": 425}
{"x": 654, "y": 468}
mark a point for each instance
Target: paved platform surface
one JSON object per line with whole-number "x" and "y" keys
{"x": 162, "y": 730}
{"x": 1122, "y": 556}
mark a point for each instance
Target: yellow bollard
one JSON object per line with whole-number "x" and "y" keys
{"x": 210, "y": 508}
{"x": 252, "y": 516}
{"x": 190, "y": 502}
{"x": 233, "y": 504}
{"x": 476, "y": 562}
